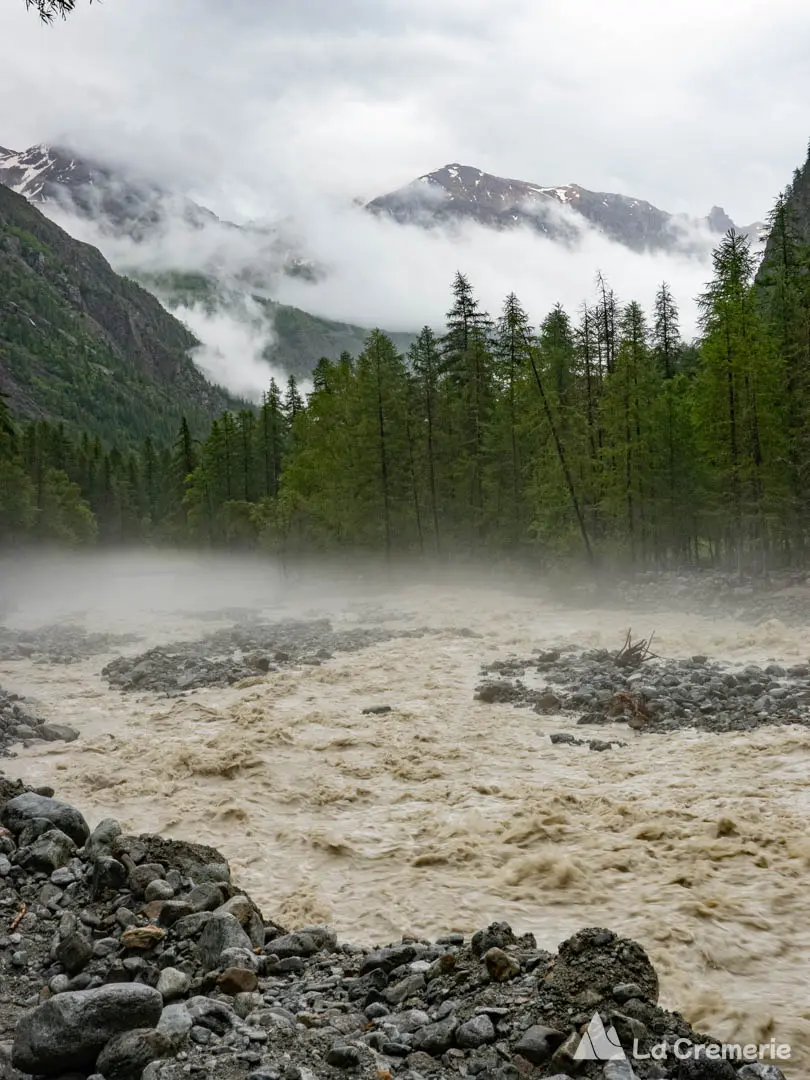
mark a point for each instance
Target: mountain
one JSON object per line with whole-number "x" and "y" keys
{"x": 120, "y": 203}
{"x": 460, "y": 193}
{"x": 238, "y": 265}
{"x": 80, "y": 344}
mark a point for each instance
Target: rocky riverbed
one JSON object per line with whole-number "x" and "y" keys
{"x": 599, "y": 686}
{"x": 239, "y": 652}
{"x": 21, "y": 726}
{"x": 136, "y": 958}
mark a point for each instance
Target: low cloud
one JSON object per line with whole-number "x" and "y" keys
{"x": 233, "y": 346}
{"x": 381, "y": 273}
{"x": 375, "y": 272}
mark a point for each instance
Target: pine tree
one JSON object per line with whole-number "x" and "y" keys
{"x": 425, "y": 362}
{"x": 511, "y": 348}
{"x": 735, "y": 400}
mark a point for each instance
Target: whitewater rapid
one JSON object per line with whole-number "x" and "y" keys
{"x": 446, "y": 813}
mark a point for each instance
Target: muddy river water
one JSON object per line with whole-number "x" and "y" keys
{"x": 446, "y": 813}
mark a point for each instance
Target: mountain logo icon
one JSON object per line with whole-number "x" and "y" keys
{"x": 599, "y": 1045}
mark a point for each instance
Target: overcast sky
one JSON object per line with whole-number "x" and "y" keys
{"x": 685, "y": 104}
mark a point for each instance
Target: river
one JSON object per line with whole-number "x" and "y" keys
{"x": 446, "y": 813}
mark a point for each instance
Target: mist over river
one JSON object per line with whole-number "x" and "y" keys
{"x": 444, "y": 813}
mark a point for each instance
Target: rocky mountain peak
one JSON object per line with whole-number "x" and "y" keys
{"x": 458, "y": 193}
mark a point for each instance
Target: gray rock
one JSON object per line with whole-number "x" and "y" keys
{"x": 126, "y": 1056}
{"x": 435, "y": 1039}
{"x": 144, "y": 875}
{"x": 538, "y": 1043}
{"x": 476, "y": 1032}
{"x": 173, "y": 983}
{"x": 24, "y": 808}
{"x": 102, "y": 838}
{"x": 205, "y": 897}
{"x": 58, "y": 733}
{"x": 297, "y": 944}
{"x": 70, "y": 1030}
{"x": 175, "y": 1024}
{"x": 219, "y": 933}
{"x": 343, "y": 1057}
{"x": 48, "y": 852}
{"x": 74, "y": 953}
{"x": 158, "y": 890}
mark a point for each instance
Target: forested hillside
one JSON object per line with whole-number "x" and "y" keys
{"x": 296, "y": 339}
{"x": 602, "y": 435}
{"x": 80, "y": 344}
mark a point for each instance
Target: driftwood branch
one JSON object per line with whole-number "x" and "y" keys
{"x": 19, "y": 918}
{"x": 634, "y": 653}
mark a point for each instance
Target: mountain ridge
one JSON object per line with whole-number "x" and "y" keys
{"x": 456, "y": 193}
{"x": 81, "y": 344}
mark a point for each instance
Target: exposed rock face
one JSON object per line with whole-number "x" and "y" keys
{"x": 90, "y": 324}
{"x": 457, "y": 193}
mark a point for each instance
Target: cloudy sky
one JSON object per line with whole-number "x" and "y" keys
{"x": 291, "y": 109}
{"x": 686, "y": 104}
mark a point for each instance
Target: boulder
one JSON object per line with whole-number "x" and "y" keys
{"x": 248, "y": 917}
{"x": 126, "y": 1056}
{"x": 48, "y": 852}
{"x": 24, "y": 808}
{"x": 69, "y": 1031}
{"x": 221, "y": 932}
{"x": 102, "y": 838}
